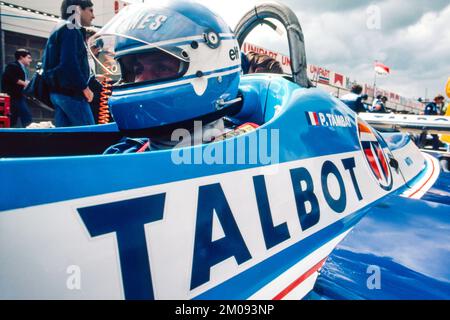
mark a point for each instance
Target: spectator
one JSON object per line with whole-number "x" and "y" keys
{"x": 14, "y": 80}
{"x": 375, "y": 101}
{"x": 379, "y": 104}
{"x": 262, "y": 63}
{"x": 66, "y": 66}
{"x": 432, "y": 109}
{"x": 354, "y": 99}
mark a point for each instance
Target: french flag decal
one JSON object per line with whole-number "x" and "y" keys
{"x": 375, "y": 156}
{"x": 312, "y": 118}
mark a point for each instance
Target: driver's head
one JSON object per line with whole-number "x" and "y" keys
{"x": 177, "y": 60}
{"x": 155, "y": 66}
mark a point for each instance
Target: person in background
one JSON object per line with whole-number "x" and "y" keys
{"x": 379, "y": 104}
{"x": 262, "y": 63}
{"x": 366, "y": 104}
{"x": 66, "y": 66}
{"x": 432, "y": 109}
{"x": 14, "y": 80}
{"x": 354, "y": 99}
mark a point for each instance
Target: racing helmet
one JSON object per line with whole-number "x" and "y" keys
{"x": 177, "y": 62}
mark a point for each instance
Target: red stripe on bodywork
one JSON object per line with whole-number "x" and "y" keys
{"x": 383, "y": 163}
{"x": 372, "y": 162}
{"x": 297, "y": 282}
{"x": 316, "y": 117}
{"x": 423, "y": 185}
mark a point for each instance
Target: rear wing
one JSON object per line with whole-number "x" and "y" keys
{"x": 408, "y": 123}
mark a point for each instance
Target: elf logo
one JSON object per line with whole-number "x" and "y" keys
{"x": 234, "y": 54}
{"x": 375, "y": 156}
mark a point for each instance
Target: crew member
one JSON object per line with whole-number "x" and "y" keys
{"x": 354, "y": 99}
{"x": 14, "y": 80}
{"x": 379, "y": 104}
{"x": 432, "y": 109}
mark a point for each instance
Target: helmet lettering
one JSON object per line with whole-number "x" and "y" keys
{"x": 151, "y": 21}
{"x": 158, "y": 22}
{"x": 234, "y": 54}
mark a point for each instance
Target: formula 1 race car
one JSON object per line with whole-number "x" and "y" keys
{"x": 311, "y": 189}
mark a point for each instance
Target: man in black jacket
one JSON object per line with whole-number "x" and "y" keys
{"x": 354, "y": 99}
{"x": 66, "y": 67}
{"x": 14, "y": 80}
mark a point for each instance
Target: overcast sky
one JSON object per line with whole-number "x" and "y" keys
{"x": 411, "y": 37}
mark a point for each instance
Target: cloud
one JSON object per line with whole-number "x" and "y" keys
{"x": 327, "y": 5}
{"x": 402, "y": 14}
{"x": 413, "y": 40}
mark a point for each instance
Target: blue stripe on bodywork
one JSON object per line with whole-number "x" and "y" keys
{"x": 36, "y": 181}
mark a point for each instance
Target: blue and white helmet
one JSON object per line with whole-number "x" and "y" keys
{"x": 177, "y": 61}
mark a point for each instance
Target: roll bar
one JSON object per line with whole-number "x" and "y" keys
{"x": 282, "y": 13}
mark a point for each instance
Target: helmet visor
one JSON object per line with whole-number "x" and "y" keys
{"x": 133, "y": 36}
{"x": 150, "y": 66}
{"x": 142, "y": 62}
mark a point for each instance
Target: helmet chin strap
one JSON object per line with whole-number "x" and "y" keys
{"x": 164, "y": 131}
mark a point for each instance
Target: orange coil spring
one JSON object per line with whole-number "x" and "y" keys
{"x": 103, "y": 114}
